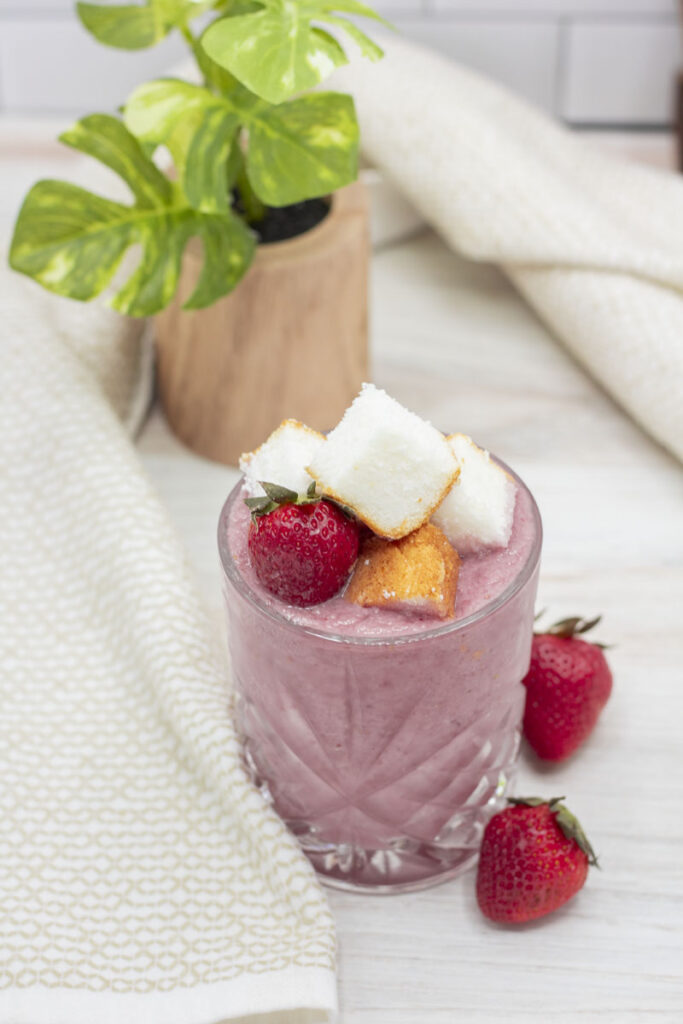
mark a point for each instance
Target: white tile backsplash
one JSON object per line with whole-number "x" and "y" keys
{"x": 23, "y": 7}
{"x": 481, "y": 7}
{"x": 391, "y": 7}
{"x": 589, "y": 61}
{"x": 52, "y": 65}
{"x": 620, "y": 73}
{"x": 555, "y": 7}
{"x": 522, "y": 56}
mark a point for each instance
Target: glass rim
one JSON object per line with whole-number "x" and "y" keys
{"x": 244, "y": 589}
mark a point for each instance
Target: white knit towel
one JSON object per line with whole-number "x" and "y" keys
{"x": 595, "y": 245}
{"x": 142, "y": 878}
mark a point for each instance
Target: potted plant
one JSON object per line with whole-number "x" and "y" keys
{"x": 260, "y": 182}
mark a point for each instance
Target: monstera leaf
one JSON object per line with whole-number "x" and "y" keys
{"x": 135, "y": 26}
{"x": 72, "y": 241}
{"x": 199, "y": 129}
{"x": 277, "y": 48}
{"x": 307, "y": 147}
{"x": 296, "y": 150}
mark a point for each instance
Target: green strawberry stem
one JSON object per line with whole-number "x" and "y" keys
{"x": 572, "y": 626}
{"x": 276, "y": 495}
{"x": 565, "y": 819}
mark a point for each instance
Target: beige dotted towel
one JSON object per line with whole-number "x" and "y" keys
{"x": 595, "y": 245}
{"x": 142, "y": 878}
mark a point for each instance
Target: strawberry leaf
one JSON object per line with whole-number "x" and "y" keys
{"x": 573, "y": 626}
{"x": 566, "y": 821}
{"x": 534, "y": 801}
{"x": 260, "y": 506}
{"x": 278, "y": 494}
{"x": 573, "y": 830}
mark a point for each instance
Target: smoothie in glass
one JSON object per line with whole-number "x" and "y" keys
{"x": 385, "y": 740}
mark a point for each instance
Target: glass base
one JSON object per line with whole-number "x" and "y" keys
{"x": 404, "y": 864}
{"x": 389, "y": 888}
{"x": 396, "y": 888}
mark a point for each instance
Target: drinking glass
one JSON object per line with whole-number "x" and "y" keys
{"x": 385, "y": 756}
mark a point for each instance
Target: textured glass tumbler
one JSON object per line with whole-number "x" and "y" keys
{"x": 385, "y": 757}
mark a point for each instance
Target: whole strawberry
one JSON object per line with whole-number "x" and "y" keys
{"x": 302, "y": 547}
{"x": 534, "y": 857}
{"x": 568, "y": 684}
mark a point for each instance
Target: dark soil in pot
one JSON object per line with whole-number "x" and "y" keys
{"x": 283, "y": 222}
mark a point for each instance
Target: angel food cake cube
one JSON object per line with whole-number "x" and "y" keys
{"x": 478, "y": 511}
{"x": 282, "y": 458}
{"x": 418, "y": 573}
{"x": 385, "y": 463}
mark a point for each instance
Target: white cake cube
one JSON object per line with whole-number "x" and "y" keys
{"x": 478, "y": 511}
{"x": 388, "y": 465}
{"x": 282, "y": 458}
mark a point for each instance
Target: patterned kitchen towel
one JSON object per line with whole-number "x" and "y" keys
{"x": 594, "y": 244}
{"x": 142, "y": 878}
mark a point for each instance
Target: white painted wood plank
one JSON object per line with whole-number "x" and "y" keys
{"x": 521, "y": 56}
{"x": 618, "y": 72}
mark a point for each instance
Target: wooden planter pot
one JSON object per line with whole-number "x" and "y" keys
{"x": 290, "y": 341}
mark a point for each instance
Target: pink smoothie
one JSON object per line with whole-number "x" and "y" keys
{"x": 384, "y": 740}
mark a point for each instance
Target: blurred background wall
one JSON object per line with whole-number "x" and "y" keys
{"x": 606, "y": 63}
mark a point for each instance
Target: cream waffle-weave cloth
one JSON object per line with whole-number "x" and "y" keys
{"x": 142, "y": 878}
{"x": 595, "y": 245}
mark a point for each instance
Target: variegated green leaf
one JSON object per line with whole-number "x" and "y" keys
{"x": 72, "y": 241}
{"x": 215, "y": 76}
{"x": 135, "y": 26}
{"x": 366, "y": 46}
{"x": 53, "y": 241}
{"x": 279, "y": 49}
{"x": 127, "y": 27}
{"x": 307, "y": 147}
{"x": 105, "y": 138}
{"x": 198, "y": 128}
{"x": 296, "y": 150}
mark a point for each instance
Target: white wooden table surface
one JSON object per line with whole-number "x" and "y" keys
{"x": 455, "y": 343}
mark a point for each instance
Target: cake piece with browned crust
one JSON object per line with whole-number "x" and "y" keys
{"x": 478, "y": 511}
{"x": 389, "y": 466}
{"x": 282, "y": 458}
{"x": 418, "y": 573}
